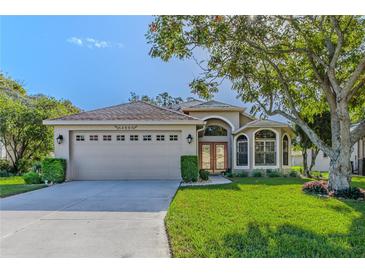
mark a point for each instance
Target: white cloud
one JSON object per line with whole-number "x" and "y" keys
{"x": 93, "y": 43}
{"x": 75, "y": 41}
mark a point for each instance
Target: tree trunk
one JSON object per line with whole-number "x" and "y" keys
{"x": 314, "y": 154}
{"x": 340, "y": 171}
{"x": 305, "y": 163}
{"x": 340, "y": 164}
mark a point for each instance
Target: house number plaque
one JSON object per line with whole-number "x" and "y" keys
{"x": 126, "y": 127}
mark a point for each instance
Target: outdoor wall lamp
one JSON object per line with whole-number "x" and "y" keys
{"x": 189, "y": 138}
{"x": 59, "y": 139}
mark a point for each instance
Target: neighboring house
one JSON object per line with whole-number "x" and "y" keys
{"x": 142, "y": 141}
{"x": 359, "y": 157}
{"x": 323, "y": 161}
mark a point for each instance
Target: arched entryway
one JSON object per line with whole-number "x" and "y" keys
{"x": 215, "y": 145}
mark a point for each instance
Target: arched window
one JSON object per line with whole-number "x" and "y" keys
{"x": 215, "y": 131}
{"x": 265, "y": 148}
{"x": 285, "y": 150}
{"x": 242, "y": 151}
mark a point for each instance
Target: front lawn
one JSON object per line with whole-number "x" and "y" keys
{"x": 264, "y": 217}
{"x": 15, "y": 185}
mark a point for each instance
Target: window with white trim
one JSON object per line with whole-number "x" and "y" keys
{"x": 160, "y": 137}
{"x": 265, "y": 148}
{"x": 147, "y": 137}
{"x": 80, "y": 138}
{"x": 285, "y": 150}
{"x": 107, "y": 137}
{"x": 120, "y": 138}
{"x": 242, "y": 151}
{"x": 93, "y": 137}
{"x": 133, "y": 137}
{"x": 173, "y": 138}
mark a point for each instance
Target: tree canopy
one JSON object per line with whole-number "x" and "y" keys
{"x": 294, "y": 66}
{"x": 24, "y": 136}
{"x": 163, "y": 99}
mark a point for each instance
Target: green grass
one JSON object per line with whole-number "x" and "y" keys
{"x": 15, "y": 185}
{"x": 264, "y": 217}
{"x": 358, "y": 181}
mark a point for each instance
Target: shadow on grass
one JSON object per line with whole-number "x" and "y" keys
{"x": 288, "y": 241}
{"x": 274, "y": 181}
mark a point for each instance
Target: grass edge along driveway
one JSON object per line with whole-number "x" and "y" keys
{"x": 15, "y": 185}
{"x": 264, "y": 217}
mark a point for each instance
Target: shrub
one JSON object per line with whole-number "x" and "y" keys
{"x": 32, "y": 178}
{"x": 273, "y": 173}
{"x": 5, "y": 165}
{"x": 256, "y": 173}
{"x": 229, "y": 174}
{"x": 37, "y": 167}
{"x": 204, "y": 174}
{"x": 189, "y": 168}
{"x": 350, "y": 193}
{"x": 4, "y": 173}
{"x": 54, "y": 170}
{"x": 293, "y": 173}
{"x": 242, "y": 174}
{"x": 316, "y": 187}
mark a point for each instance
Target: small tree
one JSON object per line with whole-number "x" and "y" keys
{"x": 22, "y": 132}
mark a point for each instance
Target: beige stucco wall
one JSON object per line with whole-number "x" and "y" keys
{"x": 249, "y": 132}
{"x": 232, "y": 118}
{"x": 243, "y": 119}
{"x": 232, "y": 121}
{"x": 64, "y": 150}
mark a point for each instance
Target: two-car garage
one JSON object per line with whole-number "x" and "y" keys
{"x": 114, "y": 155}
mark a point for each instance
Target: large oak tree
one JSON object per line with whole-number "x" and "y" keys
{"x": 294, "y": 66}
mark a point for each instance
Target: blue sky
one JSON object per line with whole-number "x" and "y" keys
{"x": 94, "y": 61}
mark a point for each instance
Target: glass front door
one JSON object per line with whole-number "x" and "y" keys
{"x": 205, "y": 157}
{"x": 213, "y": 157}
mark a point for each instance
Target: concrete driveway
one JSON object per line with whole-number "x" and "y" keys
{"x": 88, "y": 219}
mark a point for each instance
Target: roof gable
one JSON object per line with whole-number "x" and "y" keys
{"x": 262, "y": 123}
{"x": 213, "y": 104}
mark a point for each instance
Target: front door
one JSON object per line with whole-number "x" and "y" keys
{"x": 213, "y": 156}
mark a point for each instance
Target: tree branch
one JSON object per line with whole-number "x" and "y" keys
{"x": 353, "y": 78}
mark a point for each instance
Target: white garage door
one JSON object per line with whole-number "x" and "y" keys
{"x": 117, "y": 155}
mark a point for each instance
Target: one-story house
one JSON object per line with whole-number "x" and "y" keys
{"x": 138, "y": 140}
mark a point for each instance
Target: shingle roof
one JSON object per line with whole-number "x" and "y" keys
{"x": 266, "y": 123}
{"x": 129, "y": 111}
{"x": 212, "y": 104}
{"x": 187, "y": 104}
{"x": 262, "y": 124}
